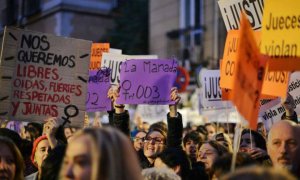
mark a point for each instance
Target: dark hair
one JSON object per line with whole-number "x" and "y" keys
{"x": 37, "y": 126}
{"x": 201, "y": 129}
{"x": 222, "y": 165}
{"x": 19, "y": 162}
{"x": 258, "y": 138}
{"x": 52, "y": 164}
{"x": 218, "y": 147}
{"x": 173, "y": 157}
{"x": 34, "y": 129}
{"x": 194, "y": 136}
{"x": 14, "y": 136}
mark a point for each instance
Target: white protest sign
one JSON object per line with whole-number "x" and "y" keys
{"x": 115, "y": 51}
{"x": 43, "y": 75}
{"x": 212, "y": 93}
{"x": 114, "y": 61}
{"x": 274, "y": 113}
{"x": 231, "y": 12}
{"x": 221, "y": 115}
{"x": 152, "y": 114}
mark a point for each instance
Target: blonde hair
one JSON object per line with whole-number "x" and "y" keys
{"x": 113, "y": 156}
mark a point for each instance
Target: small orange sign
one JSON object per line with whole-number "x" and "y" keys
{"x": 96, "y": 54}
{"x": 248, "y": 75}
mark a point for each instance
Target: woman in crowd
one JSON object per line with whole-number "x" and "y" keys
{"x": 42, "y": 145}
{"x": 209, "y": 152}
{"x": 138, "y": 140}
{"x": 254, "y": 144}
{"x": 11, "y": 161}
{"x": 224, "y": 140}
{"x": 100, "y": 154}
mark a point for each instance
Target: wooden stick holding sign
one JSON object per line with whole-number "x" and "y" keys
{"x": 49, "y": 76}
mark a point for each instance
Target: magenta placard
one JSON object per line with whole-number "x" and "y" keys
{"x": 145, "y": 81}
{"x": 98, "y": 86}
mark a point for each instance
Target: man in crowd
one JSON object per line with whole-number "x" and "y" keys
{"x": 283, "y": 146}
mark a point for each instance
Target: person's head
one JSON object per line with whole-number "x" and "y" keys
{"x": 191, "y": 143}
{"x": 33, "y": 131}
{"x": 176, "y": 159}
{"x": 209, "y": 152}
{"x": 258, "y": 141}
{"x": 222, "y": 165}
{"x": 203, "y": 132}
{"x": 159, "y": 174}
{"x": 155, "y": 143}
{"x": 211, "y": 130}
{"x": 104, "y": 153}
{"x": 68, "y": 132}
{"x": 11, "y": 161}
{"x": 284, "y": 145}
{"x": 40, "y": 151}
{"x": 158, "y": 125}
{"x": 138, "y": 140}
{"x": 261, "y": 129}
{"x": 258, "y": 173}
{"x": 223, "y": 139}
{"x": 14, "y": 136}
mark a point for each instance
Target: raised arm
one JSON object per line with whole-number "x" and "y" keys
{"x": 119, "y": 117}
{"x": 175, "y": 126}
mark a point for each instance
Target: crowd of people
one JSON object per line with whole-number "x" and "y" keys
{"x": 162, "y": 151}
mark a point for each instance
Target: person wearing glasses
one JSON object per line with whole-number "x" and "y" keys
{"x": 138, "y": 140}
{"x": 158, "y": 137}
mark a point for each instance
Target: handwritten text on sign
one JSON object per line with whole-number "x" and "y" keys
{"x": 114, "y": 61}
{"x": 49, "y": 77}
{"x": 248, "y": 76}
{"x": 98, "y": 86}
{"x": 147, "y": 81}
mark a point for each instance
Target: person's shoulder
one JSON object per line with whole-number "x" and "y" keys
{"x": 32, "y": 176}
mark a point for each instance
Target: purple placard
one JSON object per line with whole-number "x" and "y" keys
{"x": 98, "y": 86}
{"x": 145, "y": 81}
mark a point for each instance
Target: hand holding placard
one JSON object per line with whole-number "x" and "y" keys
{"x": 147, "y": 81}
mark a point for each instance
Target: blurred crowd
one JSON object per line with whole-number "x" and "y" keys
{"x": 158, "y": 151}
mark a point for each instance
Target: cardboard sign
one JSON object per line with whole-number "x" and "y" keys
{"x": 231, "y": 12}
{"x": 96, "y": 55}
{"x": 280, "y": 29}
{"x": 115, "y": 51}
{"x": 114, "y": 61}
{"x": 147, "y": 81}
{"x": 221, "y": 115}
{"x": 152, "y": 114}
{"x": 43, "y": 75}
{"x": 275, "y": 110}
{"x": 248, "y": 76}
{"x": 212, "y": 93}
{"x": 280, "y": 32}
{"x": 228, "y": 63}
{"x": 98, "y": 86}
